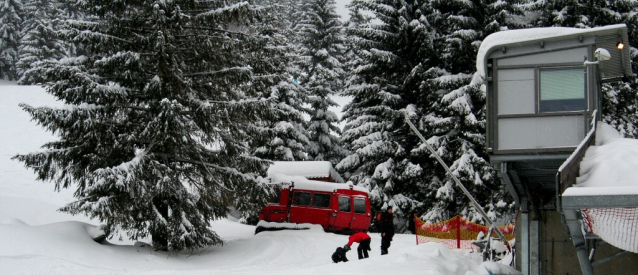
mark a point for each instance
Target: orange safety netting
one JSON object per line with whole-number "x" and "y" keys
{"x": 456, "y": 232}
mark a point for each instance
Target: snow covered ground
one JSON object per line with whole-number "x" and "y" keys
{"x": 36, "y": 239}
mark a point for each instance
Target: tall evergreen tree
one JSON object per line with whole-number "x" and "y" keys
{"x": 559, "y": 13}
{"x": 353, "y": 54}
{"x": 620, "y": 100}
{"x": 11, "y": 18}
{"x": 284, "y": 138}
{"x": 322, "y": 46}
{"x": 71, "y": 9}
{"x": 421, "y": 61}
{"x": 455, "y": 123}
{"x": 396, "y": 53}
{"x": 40, "y": 41}
{"x": 158, "y": 119}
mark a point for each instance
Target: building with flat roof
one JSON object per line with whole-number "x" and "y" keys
{"x": 543, "y": 98}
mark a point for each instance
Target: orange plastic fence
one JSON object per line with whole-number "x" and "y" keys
{"x": 456, "y": 232}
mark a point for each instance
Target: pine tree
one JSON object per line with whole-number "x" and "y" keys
{"x": 353, "y": 54}
{"x": 40, "y": 41}
{"x": 284, "y": 138}
{"x": 322, "y": 45}
{"x": 11, "y": 18}
{"x": 560, "y": 13}
{"x": 421, "y": 61}
{"x": 455, "y": 123}
{"x": 158, "y": 119}
{"x": 71, "y": 10}
{"x": 396, "y": 53}
{"x": 620, "y": 100}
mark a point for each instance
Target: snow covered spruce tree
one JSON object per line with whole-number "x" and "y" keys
{"x": 283, "y": 138}
{"x": 455, "y": 123}
{"x": 353, "y": 55}
{"x": 40, "y": 40}
{"x": 619, "y": 99}
{"x": 558, "y": 13}
{"x": 11, "y": 18}
{"x": 321, "y": 50}
{"x": 421, "y": 61}
{"x": 396, "y": 53}
{"x": 154, "y": 135}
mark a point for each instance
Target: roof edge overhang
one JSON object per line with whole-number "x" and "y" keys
{"x": 620, "y": 29}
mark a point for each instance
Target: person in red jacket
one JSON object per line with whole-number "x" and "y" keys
{"x": 364, "y": 244}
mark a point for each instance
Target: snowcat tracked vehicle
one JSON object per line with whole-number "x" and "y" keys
{"x": 337, "y": 207}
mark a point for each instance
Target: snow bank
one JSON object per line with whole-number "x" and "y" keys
{"x": 308, "y": 169}
{"x": 610, "y": 167}
{"x": 287, "y": 225}
{"x": 304, "y": 183}
{"x": 67, "y": 248}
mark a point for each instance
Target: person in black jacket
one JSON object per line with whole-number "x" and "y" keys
{"x": 386, "y": 226}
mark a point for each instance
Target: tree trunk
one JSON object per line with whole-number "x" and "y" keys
{"x": 159, "y": 235}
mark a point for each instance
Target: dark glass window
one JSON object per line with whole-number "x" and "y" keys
{"x": 320, "y": 200}
{"x": 276, "y": 196}
{"x": 359, "y": 206}
{"x": 344, "y": 204}
{"x": 301, "y": 198}
{"x": 562, "y": 90}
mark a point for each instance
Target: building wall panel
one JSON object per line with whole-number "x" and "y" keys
{"x": 540, "y": 132}
{"x": 516, "y": 91}
{"x": 551, "y": 57}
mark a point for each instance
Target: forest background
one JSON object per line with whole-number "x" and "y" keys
{"x": 174, "y": 109}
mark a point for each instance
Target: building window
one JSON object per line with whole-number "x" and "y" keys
{"x": 562, "y": 90}
{"x": 301, "y": 198}
{"x": 359, "y": 206}
{"x": 344, "y": 204}
{"x": 320, "y": 200}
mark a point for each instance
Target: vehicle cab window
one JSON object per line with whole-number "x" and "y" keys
{"x": 344, "y": 204}
{"x": 321, "y": 200}
{"x": 359, "y": 206}
{"x": 301, "y": 198}
{"x": 276, "y": 197}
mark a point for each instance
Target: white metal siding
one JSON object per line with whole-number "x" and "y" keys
{"x": 540, "y": 132}
{"x": 561, "y": 56}
{"x": 516, "y": 92}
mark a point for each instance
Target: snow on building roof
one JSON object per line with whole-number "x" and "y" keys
{"x": 304, "y": 183}
{"x": 609, "y": 168}
{"x": 308, "y": 169}
{"x": 525, "y": 36}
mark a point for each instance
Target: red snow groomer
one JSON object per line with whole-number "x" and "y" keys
{"x": 337, "y": 207}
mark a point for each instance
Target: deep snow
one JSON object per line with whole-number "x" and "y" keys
{"x": 609, "y": 167}
{"x": 36, "y": 239}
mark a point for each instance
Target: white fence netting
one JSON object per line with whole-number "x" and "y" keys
{"x": 616, "y": 226}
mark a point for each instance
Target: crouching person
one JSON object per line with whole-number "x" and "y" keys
{"x": 339, "y": 255}
{"x": 364, "y": 244}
